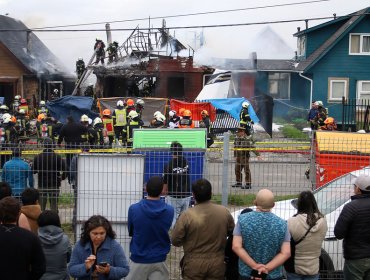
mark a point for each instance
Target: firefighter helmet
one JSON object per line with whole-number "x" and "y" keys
{"x": 181, "y": 111}
{"x": 97, "y": 120}
{"x": 119, "y": 103}
{"x": 204, "y": 113}
{"x": 42, "y": 103}
{"x": 56, "y": 91}
{"x": 6, "y": 115}
{"x": 7, "y": 120}
{"x": 172, "y": 113}
{"x": 187, "y": 113}
{"x": 106, "y": 112}
{"x": 329, "y": 120}
{"x": 140, "y": 102}
{"x": 4, "y": 107}
{"x": 133, "y": 114}
{"x": 319, "y": 103}
{"x": 17, "y": 97}
{"x": 157, "y": 113}
{"x": 23, "y": 101}
{"x": 245, "y": 104}
{"x": 84, "y": 118}
{"x": 41, "y": 117}
{"x": 160, "y": 118}
{"x": 130, "y": 102}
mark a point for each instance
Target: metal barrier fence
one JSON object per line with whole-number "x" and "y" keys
{"x": 108, "y": 181}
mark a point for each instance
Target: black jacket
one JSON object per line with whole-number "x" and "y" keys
{"x": 176, "y": 176}
{"x": 353, "y": 225}
{"x": 51, "y": 169}
{"x": 73, "y": 133}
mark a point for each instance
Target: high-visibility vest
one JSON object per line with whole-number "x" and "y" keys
{"x": 131, "y": 126}
{"x": 108, "y": 125}
{"x": 120, "y": 116}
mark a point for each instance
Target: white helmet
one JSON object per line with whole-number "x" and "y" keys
{"x": 97, "y": 120}
{"x": 120, "y": 103}
{"x": 56, "y": 91}
{"x": 17, "y": 97}
{"x": 133, "y": 114}
{"x": 80, "y": 58}
{"x": 140, "y": 102}
{"x": 7, "y": 120}
{"x": 6, "y": 115}
{"x": 4, "y": 107}
{"x": 319, "y": 103}
{"x": 42, "y": 103}
{"x": 172, "y": 113}
{"x": 84, "y": 118}
{"x": 22, "y": 111}
{"x": 157, "y": 113}
{"x": 245, "y": 104}
{"x": 160, "y": 118}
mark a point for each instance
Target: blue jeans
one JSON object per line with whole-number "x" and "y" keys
{"x": 357, "y": 269}
{"x": 179, "y": 204}
{"x": 295, "y": 276}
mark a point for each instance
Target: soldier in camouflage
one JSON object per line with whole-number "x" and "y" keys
{"x": 243, "y": 140}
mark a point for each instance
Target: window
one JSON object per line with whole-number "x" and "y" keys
{"x": 301, "y": 46}
{"x": 359, "y": 44}
{"x": 338, "y": 87}
{"x": 279, "y": 85}
{"x": 363, "y": 90}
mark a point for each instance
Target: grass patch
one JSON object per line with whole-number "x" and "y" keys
{"x": 65, "y": 200}
{"x": 247, "y": 199}
{"x": 290, "y": 131}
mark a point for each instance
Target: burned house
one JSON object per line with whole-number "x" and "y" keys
{"x": 149, "y": 66}
{"x": 28, "y": 68}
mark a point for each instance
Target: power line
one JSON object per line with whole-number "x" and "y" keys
{"x": 185, "y": 15}
{"x": 177, "y": 27}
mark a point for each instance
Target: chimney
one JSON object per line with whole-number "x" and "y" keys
{"x": 253, "y": 57}
{"x": 29, "y": 45}
{"x": 298, "y": 29}
{"x": 109, "y": 33}
{"x": 306, "y": 23}
{"x": 335, "y": 16}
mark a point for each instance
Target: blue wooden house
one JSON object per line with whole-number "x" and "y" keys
{"x": 334, "y": 58}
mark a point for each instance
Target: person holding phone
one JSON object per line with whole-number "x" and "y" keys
{"x": 97, "y": 255}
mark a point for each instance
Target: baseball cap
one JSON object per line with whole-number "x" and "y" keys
{"x": 363, "y": 182}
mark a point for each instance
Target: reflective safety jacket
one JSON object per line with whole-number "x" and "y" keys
{"x": 119, "y": 117}
{"x": 186, "y": 123}
{"x": 108, "y": 126}
{"x": 131, "y": 126}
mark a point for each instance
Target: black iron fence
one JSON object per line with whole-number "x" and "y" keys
{"x": 355, "y": 114}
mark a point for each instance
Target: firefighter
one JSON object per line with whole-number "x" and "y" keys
{"x": 42, "y": 108}
{"x": 99, "y": 136}
{"x": 56, "y": 127}
{"x": 140, "y": 106}
{"x": 130, "y": 106}
{"x": 112, "y": 52}
{"x": 186, "y": 121}
{"x": 22, "y": 124}
{"x": 99, "y": 51}
{"x": 43, "y": 128}
{"x": 80, "y": 67}
{"x": 158, "y": 121}
{"x": 329, "y": 124}
{"x": 134, "y": 122}
{"x": 16, "y": 102}
{"x": 23, "y": 105}
{"x": 120, "y": 122}
{"x": 108, "y": 125}
{"x": 245, "y": 119}
{"x": 9, "y": 131}
{"x": 3, "y": 110}
{"x": 243, "y": 140}
{"x": 321, "y": 116}
{"x": 55, "y": 94}
{"x": 206, "y": 123}
{"x": 174, "y": 120}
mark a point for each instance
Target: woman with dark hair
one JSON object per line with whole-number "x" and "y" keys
{"x": 97, "y": 255}
{"x": 307, "y": 228}
{"x": 55, "y": 245}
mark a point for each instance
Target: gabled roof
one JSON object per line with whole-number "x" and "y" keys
{"x": 332, "y": 41}
{"x": 40, "y": 60}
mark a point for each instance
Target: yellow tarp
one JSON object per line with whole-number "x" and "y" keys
{"x": 343, "y": 142}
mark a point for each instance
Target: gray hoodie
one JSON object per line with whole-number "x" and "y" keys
{"x": 57, "y": 250}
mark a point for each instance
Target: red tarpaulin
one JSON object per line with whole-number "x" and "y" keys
{"x": 195, "y": 108}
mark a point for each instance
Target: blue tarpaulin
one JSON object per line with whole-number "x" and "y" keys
{"x": 68, "y": 105}
{"x": 233, "y": 107}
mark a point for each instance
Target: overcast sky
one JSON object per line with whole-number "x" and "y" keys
{"x": 232, "y": 42}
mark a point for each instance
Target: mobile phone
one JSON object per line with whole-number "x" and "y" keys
{"x": 104, "y": 264}
{"x": 255, "y": 273}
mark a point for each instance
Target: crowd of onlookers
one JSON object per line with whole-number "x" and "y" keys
{"x": 256, "y": 245}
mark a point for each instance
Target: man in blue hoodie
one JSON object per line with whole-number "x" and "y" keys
{"x": 148, "y": 224}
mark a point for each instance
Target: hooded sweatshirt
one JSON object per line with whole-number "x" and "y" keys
{"x": 32, "y": 212}
{"x": 307, "y": 252}
{"x": 57, "y": 250}
{"x": 148, "y": 224}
